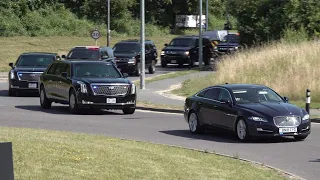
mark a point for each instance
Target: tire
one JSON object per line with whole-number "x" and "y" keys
{"x": 44, "y": 101}
{"x": 138, "y": 70}
{"x": 194, "y": 125}
{"x": 128, "y": 110}
{"x": 300, "y": 137}
{"x": 11, "y": 92}
{"x": 163, "y": 65}
{"x": 152, "y": 67}
{"x": 73, "y": 105}
{"x": 242, "y": 130}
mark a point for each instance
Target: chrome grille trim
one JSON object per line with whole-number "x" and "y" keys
{"x": 287, "y": 121}
{"x": 110, "y": 89}
{"x": 29, "y": 76}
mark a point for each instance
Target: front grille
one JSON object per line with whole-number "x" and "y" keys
{"x": 28, "y": 76}
{"x": 110, "y": 90}
{"x": 287, "y": 121}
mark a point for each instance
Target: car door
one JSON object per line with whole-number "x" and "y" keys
{"x": 48, "y": 80}
{"x": 225, "y": 111}
{"x": 208, "y": 110}
{"x": 57, "y": 80}
{"x": 64, "y": 84}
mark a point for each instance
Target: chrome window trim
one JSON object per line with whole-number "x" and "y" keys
{"x": 213, "y": 99}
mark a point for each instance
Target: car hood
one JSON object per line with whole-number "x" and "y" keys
{"x": 104, "y": 80}
{"x": 271, "y": 109}
{"x": 176, "y": 48}
{"x": 30, "y": 68}
{"x": 125, "y": 54}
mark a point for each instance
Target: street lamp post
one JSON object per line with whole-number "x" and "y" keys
{"x": 207, "y": 14}
{"x": 200, "y": 34}
{"x": 142, "y": 54}
{"x": 108, "y": 23}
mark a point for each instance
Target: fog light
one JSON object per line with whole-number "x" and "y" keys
{"x": 86, "y": 102}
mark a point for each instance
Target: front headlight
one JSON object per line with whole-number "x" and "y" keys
{"x": 162, "y": 52}
{"x": 83, "y": 87}
{"x": 132, "y": 60}
{"x": 133, "y": 89}
{"x": 186, "y": 53}
{"x": 12, "y": 76}
{"x": 306, "y": 117}
{"x": 258, "y": 119}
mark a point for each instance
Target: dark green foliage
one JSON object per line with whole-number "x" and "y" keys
{"x": 267, "y": 20}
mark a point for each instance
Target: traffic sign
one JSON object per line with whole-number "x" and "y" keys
{"x": 95, "y": 34}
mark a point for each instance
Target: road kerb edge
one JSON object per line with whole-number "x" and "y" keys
{"x": 291, "y": 175}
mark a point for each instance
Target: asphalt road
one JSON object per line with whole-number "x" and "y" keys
{"x": 301, "y": 158}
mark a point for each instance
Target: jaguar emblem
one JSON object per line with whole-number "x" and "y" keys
{"x": 111, "y": 87}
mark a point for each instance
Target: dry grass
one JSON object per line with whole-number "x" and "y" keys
{"x": 12, "y": 47}
{"x": 287, "y": 68}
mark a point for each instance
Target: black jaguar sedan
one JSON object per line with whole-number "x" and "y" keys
{"x": 87, "y": 84}
{"x": 248, "y": 110}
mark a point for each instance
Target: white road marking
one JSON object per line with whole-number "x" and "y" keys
{"x": 146, "y": 111}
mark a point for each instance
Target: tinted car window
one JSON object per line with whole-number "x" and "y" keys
{"x": 52, "y": 68}
{"x": 202, "y": 93}
{"x": 232, "y": 38}
{"x": 224, "y": 95}
{"x": 254, "y": 95}
{"x": 182, "y": 42}
{"x": 61, "y": 67}
{"x": 35, "y": 60}
{"x": 212, "y": 93}
{"x": 95, "y": 70}
{"x": 126, "y": 47}
{"x": 84, "y": 53}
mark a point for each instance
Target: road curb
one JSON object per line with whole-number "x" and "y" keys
{"x": 284, "y": 173}
{"x": 315, "y": 120}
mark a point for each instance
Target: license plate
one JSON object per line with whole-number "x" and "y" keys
{"x": 111, "y": 100}
{"x": 32, "y": 85}
{"x": 287, "y": 130}
{"x": 173, "y": 61}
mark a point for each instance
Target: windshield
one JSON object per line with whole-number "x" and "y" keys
{"x": 35, "y": 60}
{"x": 182, "y": 42}
{"x": 127, "y": 47}
{"x": 232, "y": 38}
{"x": 91, "y": 54}
{"x": 96, "y": 70}
{"x": 255, "y": 95}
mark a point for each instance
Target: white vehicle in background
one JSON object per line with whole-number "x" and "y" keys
{"x": 190, "y": 21}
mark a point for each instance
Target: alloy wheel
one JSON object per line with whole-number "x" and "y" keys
{"x": 193, "y": 122}
{"x": 241, "y": 129}
{"x": 72, "y": 101}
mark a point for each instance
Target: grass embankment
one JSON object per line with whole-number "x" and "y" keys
{"x": 287, "y": 68}
{"x": 12, "y": 47}
{"x": 40, "y": 154}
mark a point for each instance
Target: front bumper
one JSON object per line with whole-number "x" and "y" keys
{"x": 178, "y": 59}
{"x": 23, "y": 85}
{"x": 101, "y": 102}
{"x": 262, "y": 129}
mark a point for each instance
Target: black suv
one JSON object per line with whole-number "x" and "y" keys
{"x": 127, "y": 53}
{"x": 97, "y": 53}
{"x": 87, "y": 84}
{"x": 25, "y": 73}
{"x": 185, "y": 49}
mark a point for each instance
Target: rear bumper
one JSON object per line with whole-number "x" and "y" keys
{"x": 270, "y": 130}
{"x": 100, "y": 102}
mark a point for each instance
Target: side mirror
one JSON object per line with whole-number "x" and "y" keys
{"x": 64, "y": 74}
{"x": 11, "y": 65}
{"x": 224, "y": 101}
{"x": 286, "y": 99}
{"x": 63, "y": 56}
{"x": 125, "y": 75}
{"x": 166, "y": 44}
